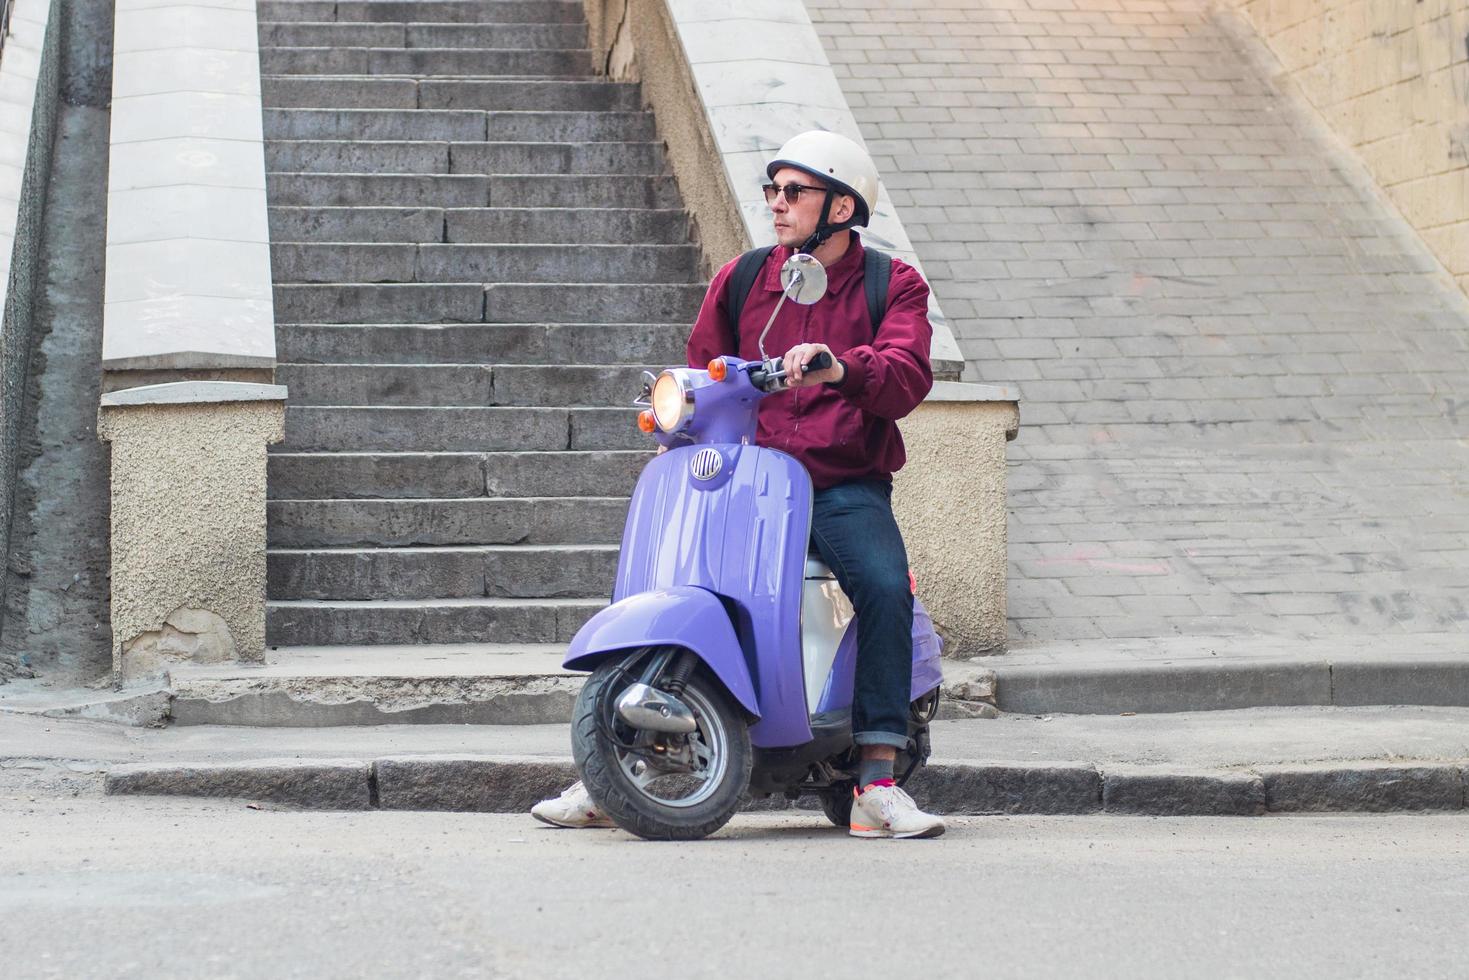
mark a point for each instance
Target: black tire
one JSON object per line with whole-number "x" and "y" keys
{"x": 836, "y": 803}
{"x": 601, "y": 763}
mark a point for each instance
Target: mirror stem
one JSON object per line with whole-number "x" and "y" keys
{"x": 795, "y": 284}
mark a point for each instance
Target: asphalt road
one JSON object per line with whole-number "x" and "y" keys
{"x": 121, "y": 887}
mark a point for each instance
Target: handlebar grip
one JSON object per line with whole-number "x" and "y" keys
{"x": 820, "y": 362}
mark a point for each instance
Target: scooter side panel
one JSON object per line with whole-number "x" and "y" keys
{"x": 928, "y": 651}
{"x": 768, "y": 576}
{"x": 742, "y": 535}
{"x": 681, "y": 616}
{"x": 674, "y": 533}
{"x": 928, "y": 671}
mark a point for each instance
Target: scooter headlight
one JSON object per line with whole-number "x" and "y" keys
{"x": 673, "y": 402}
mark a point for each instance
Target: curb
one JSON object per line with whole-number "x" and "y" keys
{"x": 483, "y": 784}
{"x": 322, "y": 785}
{"x": 1172, "y": 686}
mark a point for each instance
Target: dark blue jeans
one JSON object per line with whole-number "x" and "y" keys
{"x": 853, "y": 530}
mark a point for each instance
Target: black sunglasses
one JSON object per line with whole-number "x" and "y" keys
{"x": 792, "y": 191}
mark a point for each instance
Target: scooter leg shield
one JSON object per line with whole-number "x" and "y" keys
{"x": 682, "y": 616}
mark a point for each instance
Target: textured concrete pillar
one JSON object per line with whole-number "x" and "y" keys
{"x": 188, "y": 521}
{"x": 950, "y": 503}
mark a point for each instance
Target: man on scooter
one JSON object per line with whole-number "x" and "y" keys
{"x": 841, "y": 423}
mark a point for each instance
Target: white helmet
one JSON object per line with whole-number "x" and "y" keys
{"x": 839, "y": 162}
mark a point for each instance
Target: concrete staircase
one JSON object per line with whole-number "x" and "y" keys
{"x": 476, "y": 250}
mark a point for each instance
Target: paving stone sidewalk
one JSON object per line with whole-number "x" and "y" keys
{"x": 1245, "y": 380}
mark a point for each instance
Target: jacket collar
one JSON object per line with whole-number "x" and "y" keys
{"x": 836, "y": 275}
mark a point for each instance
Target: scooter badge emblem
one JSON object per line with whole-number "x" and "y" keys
{"x": 706, "y": 464}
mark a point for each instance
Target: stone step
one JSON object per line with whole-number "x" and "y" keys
{"x": 309, "y": 622}
{"x": 347, "y": 158}
{"x": 566, "y": 224}
{"x": 388, "y": 428}
{"x": 557, "y": 158}
{"x": 368, "y": 92}
{"x": 395, "y": 303}
{"x": 365, "y": 224}
{"x": 460, "y": 384}
{"x": 505, "y": 571}
{"x": 337, "y": 262}
{"x": 423, "y": 522}
{"x": 346, "y": 476}
{"x": 361, "y": 189}
{"x": 607, "y": 385}
{"x": 435, "y": 343}
{"x": 493, "y": 36}
{"x": 425, "y": 62}
{"x": 457, "y": 125}
{"x": 437, "y": 11}
{"x": 387, "y": 384}
{"x": 570, "y": 126}
{"x": 529, "y": 191}
{"x": 298, "y": 10}
{"x": 335, "y": 34}
{"x": 408, "y": 125}
{"x": 438, "y": 684}
{"x": 529, "y": 94}
{"x": 446, "y": 684}
{"x": 330, "y": 34}
{"x": 528, "y": 225}
{"x": 578, "y": 302}
{"x": 343, "y": 92}
{"x": 641, "y": 191}
{"x": 494, "y": 303}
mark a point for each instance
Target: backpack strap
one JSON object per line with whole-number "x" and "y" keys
{"x": 877, "y": 270}
{"x": 741, "y": 281}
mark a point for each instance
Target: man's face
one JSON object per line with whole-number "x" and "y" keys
{"x": 794, "y": 223}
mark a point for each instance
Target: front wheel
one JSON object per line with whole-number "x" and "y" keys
{"x": 661, "y": 786}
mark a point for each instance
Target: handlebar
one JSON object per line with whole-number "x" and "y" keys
{"x": 770, "y": 377}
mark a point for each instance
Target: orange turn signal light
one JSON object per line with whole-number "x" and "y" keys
{"x": 646, "y": 422}
{"x": 718, "y": 370}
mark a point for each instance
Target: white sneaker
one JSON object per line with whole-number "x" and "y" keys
{"x": 887, "y": 811}
{"x": 573, "y": 808}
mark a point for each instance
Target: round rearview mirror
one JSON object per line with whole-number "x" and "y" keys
{"x": 803, "y": 278}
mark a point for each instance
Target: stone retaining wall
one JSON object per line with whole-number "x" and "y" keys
{"x": 29, "y": 80}
{"x": 1392, "y": 80}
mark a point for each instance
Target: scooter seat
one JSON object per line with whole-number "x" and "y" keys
{"x": 816, "y": 568}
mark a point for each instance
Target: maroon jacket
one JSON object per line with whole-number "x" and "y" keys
{"x": 840, "y": 432}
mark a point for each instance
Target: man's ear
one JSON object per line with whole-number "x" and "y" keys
{"x": 843, "y": 208}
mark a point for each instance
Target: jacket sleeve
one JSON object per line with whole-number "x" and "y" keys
{"x": 713, "y": 334}
{"x": 890, "y": 376}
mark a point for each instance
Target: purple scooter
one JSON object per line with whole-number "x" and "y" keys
{"x": 725, "y": 662}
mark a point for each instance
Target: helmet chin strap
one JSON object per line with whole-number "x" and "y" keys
{"x": 824, "y": 230}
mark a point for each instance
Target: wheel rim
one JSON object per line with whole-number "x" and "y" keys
{"x": 705, "y": 753}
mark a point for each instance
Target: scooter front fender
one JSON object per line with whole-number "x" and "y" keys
{"x": 683, "y": 616}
